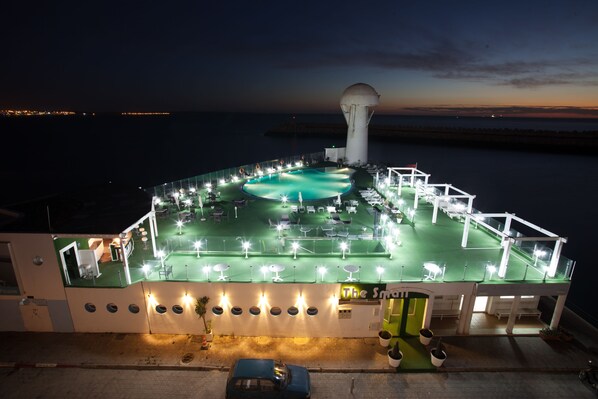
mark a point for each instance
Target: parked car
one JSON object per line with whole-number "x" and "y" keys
{"x": 267, "y": 378}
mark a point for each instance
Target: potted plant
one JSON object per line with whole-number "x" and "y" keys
{"x": 201, "y": 310}
{"x": 438, "y": 355}
{"x": 425, "y": 336}
{"x": 384, "y": 336}
{"x": 395, "y": 355}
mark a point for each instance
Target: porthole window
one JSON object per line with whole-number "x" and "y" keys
{"x": 217, "y": 310}
{"x": 112, "y": 308}
{"x": 236, "y": 310}
{"x": 312, "y": 311}
{"x": 254, "y": 310}
{"x": 133, "y": 308}
{"x": 90, "y": 307}
{"x": 275, "y": 311}
{"x": 293, "y": 311}
{"x": 178, "y": 309}
{"x": 161, "y": 309}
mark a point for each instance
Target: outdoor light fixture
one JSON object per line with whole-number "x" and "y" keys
{"x": 264, "y": 270}
{"x": 279, "y": 228}
{"x": 289, "y": 165}
{"x": 344, "y": 247}
{"x": 380, "y": 270}
{"x": 197, "y": 245}
{"x": 161, "y": 255}
{"x": 179, "y": 224}
{"x": 491, "y": 269}
{"x": 206, "y": 270}
{"x": 295, "y": 246}
{"x": 222, "y": 181}
{"x": 284, "y": 200}
{"x": 192, "y": 189}
{"x": 145, "y": 270}
{"x": 246, "y": 246}
{"x": 235, "y": 178}
{"x": 322, "y": 271}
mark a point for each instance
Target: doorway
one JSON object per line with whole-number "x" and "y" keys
{"x": 404, "y": 317}
{"x": 69, "y": 256}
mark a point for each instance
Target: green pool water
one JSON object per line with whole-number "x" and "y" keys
{"x": 313, "y": 184}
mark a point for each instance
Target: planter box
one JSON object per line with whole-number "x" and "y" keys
{"x": 437, "y": 361}
{"x": 425, "y": 336}
{"x": 382, "y": 338}
{"x": 394, "y": 362}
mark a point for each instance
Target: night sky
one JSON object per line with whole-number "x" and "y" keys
{"x": 446, "y": 57}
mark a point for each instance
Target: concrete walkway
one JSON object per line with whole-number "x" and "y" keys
{"x": 137, "y": 351}
{"x": 165, "y": 351}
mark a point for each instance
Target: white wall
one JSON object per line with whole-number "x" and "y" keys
{"x": 43, "y": 281}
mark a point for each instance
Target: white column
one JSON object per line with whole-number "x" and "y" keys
{"x": 123, "y": 254}
{"x": 507, "y": 224}
{"x": 502, "y": 269}
{"x": 153, "y": 232}
{"x": 400, "y": 186}
{"x": 465, "y": 231}
{"x": 513, "y": 314}
{"x": 466, "y": 313}
{"x": 554, "y": 260}
{"x": 470, "y": 204}
{"x": 435, "y": 213}
{"x": 558, "y": 311}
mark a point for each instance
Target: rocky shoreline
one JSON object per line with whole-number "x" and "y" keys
{"x": 539, "y": 140}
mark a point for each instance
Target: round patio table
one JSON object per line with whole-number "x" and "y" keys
{"x": 276, "y": 269}
{"x": 351, "y": 269}
{"x": 221, "y": 267}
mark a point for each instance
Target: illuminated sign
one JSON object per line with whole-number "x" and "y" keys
{"x": 356, "y": 292}
{"x": 353, "y": 291}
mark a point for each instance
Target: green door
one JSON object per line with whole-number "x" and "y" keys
{"x": 404, "y": 317}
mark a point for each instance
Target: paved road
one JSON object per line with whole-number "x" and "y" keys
{"x": 147, "y": 384}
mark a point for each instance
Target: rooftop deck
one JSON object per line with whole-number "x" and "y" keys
{"x": 386, "y": 243}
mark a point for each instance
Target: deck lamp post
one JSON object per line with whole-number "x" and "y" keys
{"x": 389, "y": 246}
{"x": 491, "y": 269}
{"x": 161, "y": 255}
{"x": 284, "y": 200}
{"x": 145, "y": 269}
{"x": 380, "y": 270}
{"x": 179, "y": 224}
{"x": 295, "y": 246}
{"x": 344, "y": 248}
{"x": 197, "y": 245}
{"x": 322, "y": 271}
{"x": 246, "y": 246}
{"x": 206, "y": 271}
{"x": 264, "y": 270}
{"x": 279, "y": 228}
{"x": 412, "y": 215}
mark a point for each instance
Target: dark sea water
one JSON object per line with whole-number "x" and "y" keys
{"x": 555, "y": 191}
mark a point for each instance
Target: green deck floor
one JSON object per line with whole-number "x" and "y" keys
{"x": 421, "y": 242}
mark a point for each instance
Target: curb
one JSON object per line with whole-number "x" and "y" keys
{"x": 322, "y": 370}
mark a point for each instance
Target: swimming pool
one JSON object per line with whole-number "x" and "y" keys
{"x": 313, "y": 184}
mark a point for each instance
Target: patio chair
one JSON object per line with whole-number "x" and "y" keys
{"x": 335, "y": 218}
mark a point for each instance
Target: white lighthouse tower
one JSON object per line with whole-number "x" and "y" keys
{"x": 358, "y": 102}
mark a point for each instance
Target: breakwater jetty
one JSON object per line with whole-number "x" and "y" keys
{"x": 515, "y": 139}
